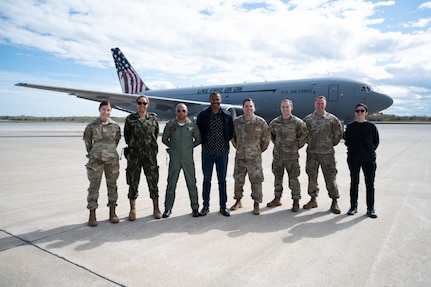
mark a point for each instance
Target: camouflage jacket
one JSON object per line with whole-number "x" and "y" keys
{"x": 288, "y": 136}
{"x": 324, "y": 132}
{"x": 251, "y": 137}
{"x": 101, "y": 139}
{"x": 141, "y": 133}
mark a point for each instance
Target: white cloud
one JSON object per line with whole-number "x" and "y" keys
{"x": 183, "y": 43}
{"x": 421, "y": 23}
{"x": 409, "y": 100}
{"x": 425, "y": 5}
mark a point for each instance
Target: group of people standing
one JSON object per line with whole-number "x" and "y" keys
{"x": 215, "y": 129}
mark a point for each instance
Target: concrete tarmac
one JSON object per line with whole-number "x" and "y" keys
{"x": 45, "y": 240}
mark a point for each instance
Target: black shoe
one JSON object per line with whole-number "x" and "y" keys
{"x": 167, "y": 213}
{"x": 224, "y": 211}
{"x": 352, "y": 211}
{"x": 195, "y": 213}
{"x": 371, "y": 213}
{"x": 204, "y": 211}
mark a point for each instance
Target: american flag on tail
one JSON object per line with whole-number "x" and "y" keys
{"x": 130, "y": 81}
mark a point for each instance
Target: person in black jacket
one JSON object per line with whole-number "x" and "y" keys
{"x": 362, "y": 139}
{"x": 216, "y": 128}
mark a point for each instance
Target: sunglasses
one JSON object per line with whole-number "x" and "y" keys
{"x": 142, "y": 103}
{"x": 181, "y": 111}
{"x": 360, "y": 111}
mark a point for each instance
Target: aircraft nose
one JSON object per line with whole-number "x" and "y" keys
{"x": 379, "y": 101}
{"x": 386, "y": 101}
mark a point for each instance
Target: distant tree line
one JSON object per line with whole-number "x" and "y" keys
{"x": 393, "y": 118}
{"x": 85, "y": 119}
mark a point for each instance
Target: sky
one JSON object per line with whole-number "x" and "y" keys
{"x": 184, "y": 43}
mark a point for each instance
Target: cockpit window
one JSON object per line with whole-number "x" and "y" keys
{"x": 365, "y": 89}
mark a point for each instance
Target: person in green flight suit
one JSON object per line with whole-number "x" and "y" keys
{"x": 181, "y": 135}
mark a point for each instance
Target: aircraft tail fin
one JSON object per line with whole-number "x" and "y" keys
{"x": 129, "y": 79}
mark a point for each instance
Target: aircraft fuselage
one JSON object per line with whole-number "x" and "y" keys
{"x": 342, "y": 96}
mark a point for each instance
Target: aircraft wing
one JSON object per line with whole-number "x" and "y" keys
{"x": 126, "y": 102}
{"x": 97, "y": 96}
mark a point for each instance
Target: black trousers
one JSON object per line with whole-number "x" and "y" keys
{"x": 369, "y": 169}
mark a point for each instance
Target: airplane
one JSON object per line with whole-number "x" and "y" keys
{"x": 342, "y": 95}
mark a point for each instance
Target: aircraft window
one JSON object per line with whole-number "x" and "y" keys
{"x": 365, "y": 89}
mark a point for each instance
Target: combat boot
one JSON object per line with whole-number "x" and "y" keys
{"x": 295, "y": 206}
{"x": 156, "y": 211}
{"x": 334, "y": 207}
{"x": 311, "y": 204}
{"x": 238, "y": 204}
{"x": 112, "y": 216}
{"x": 132, "y": 213}
{"x": 275, "y": 202}
{"x": 92, "y": 221}
{"x": 256, "y": 209}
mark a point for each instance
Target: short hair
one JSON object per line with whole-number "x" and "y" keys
{"x": 287, "y": 101}
{"x": 247, "y": 100}
{"x": 362, "y": 105}
{"x": 215, "y": 94}
{"x": 320, "y": 97}
{"x": 104, "y": 103}
{"x": 142, "y": 96}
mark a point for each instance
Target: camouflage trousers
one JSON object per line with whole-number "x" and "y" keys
{"x": 255, "y": 174}
{"x": 293, "y": 171}
{"x": 328, "y": 166}
{"x": 136, "y": 161}
{"x": 95, "y": 168}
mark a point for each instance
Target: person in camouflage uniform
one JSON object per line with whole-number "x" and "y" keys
{"x": 288, "y": 134}
{"x": 324, "y": 132}
{"x": 251, "y": 138}
{"x": 101, "y": 138}
{"x": 181, "y": 135}
{"x": 141, "y": 130}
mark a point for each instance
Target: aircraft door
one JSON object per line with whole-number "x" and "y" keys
{"x": 226, "y": 98}
{"x": 333, "y": 93}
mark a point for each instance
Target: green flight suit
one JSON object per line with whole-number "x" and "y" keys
{"x": 181, "y": 139}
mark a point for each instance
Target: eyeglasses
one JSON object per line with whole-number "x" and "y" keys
{"x": 181, "y": 111}
{"x": 142, "y": 103}
{"x": 360, "y": 111}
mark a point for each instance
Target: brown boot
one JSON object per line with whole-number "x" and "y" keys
{"x": 256, "y": 210}
{"x": 275, "y": 202}
{"x": 92, "y": 221}
{"x": 295, "y": 206}
{"x": 238, "y": 204}
{"x": 334, "y": 207}
{"x": 132, "y": 213}
{"x": 112, "y": 216}
{"x": 156, "y": 211}
{"x": 311, "y": 204}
